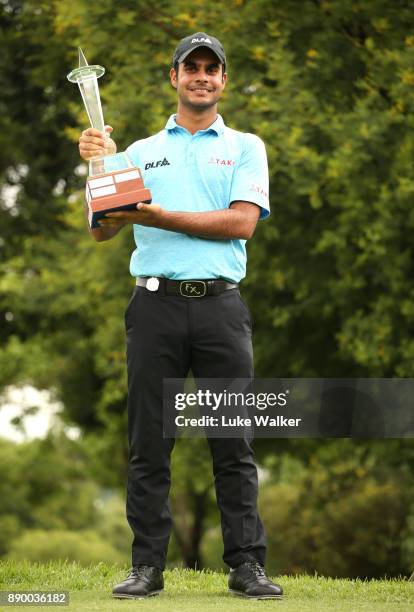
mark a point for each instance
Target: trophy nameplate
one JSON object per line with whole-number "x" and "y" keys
{"x": 113, "y": 183}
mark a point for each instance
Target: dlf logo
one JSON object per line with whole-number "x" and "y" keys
{"x": 198, "y": 40}
{"x": 161, "y": 162}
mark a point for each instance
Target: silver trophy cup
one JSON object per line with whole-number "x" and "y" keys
{"x": 113, "y": 182}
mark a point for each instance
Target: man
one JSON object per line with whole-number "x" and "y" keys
{"x": 209, "y": 186}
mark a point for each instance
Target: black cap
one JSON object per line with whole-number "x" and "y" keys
{"x": 194, "y": 41}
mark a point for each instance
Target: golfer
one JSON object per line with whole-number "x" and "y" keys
{"x": 209, "y": 186}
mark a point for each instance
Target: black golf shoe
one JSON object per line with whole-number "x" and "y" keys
{"x": 142, "y": 581}
{"x": 249, "y": 580}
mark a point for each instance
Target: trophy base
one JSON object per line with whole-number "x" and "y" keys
{"x": 95, "y": 215}
{"x": 114, "y": 192}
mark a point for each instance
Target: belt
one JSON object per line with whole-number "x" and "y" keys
{"x": 185, "y": 288}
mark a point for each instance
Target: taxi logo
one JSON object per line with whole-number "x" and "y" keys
{"x": 258, "y": 189}
{"x": 157, "y": 164}
{"x": 221, "y": 162}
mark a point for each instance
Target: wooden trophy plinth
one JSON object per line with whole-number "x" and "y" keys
{"x": 113, "y": 192}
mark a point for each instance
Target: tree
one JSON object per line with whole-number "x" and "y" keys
{"x": 329, "y": 91}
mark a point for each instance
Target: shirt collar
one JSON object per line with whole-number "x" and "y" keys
{"x": 217, "y": 126}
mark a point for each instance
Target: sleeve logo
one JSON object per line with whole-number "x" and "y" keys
{"x": 258, "y": 189}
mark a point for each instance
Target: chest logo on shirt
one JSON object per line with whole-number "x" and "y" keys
{"x": 157, "y": 164}
{"x": 221, "y": 162}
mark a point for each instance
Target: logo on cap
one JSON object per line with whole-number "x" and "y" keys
{"x": 198, "y": 40}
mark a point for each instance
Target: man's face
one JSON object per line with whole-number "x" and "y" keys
{"x": 200, "y": 79}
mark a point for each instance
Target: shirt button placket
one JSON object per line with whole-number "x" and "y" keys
{"x": 190, "y": 151}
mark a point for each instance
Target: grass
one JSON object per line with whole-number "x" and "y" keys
{"x": 187, "y": 590}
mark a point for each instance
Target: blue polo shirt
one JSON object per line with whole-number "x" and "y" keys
{"x": 194, "y": 173}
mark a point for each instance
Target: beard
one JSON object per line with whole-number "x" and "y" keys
{"x": 200, "y": 104}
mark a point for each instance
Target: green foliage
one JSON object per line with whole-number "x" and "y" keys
{"x": 330, "y": 93}
{"x": 334, "y": 105}
{"x": 50, "y": 468}
{"x": 329, "y": 87}
{"x": 51, "y": 509}
{"x": 192, "y": 500}
{"x": 44, "y": 486}
{"x": 84, "y": 547}
{"x": 111, "y": 527}
{"x": 340, "y": 516}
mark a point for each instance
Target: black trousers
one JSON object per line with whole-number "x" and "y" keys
{"x": 166, "y": 336}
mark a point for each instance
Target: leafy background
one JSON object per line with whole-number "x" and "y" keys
{"x": 329, "y": 87}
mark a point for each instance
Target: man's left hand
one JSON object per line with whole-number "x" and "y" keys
{"x": 146, "y": 214}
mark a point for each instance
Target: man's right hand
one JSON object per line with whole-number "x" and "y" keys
{"x": 93, "y": 143}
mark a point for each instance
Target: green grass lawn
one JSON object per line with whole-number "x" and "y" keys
{"x": 187, "y": 590}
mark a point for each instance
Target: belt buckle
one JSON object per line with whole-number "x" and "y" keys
{"x": 193, "y": 289}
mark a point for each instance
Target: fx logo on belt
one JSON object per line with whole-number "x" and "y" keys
{"x": 161, "y": 162}
{"x": 193, "y": 288}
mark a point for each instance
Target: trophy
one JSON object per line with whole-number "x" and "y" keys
{"x": 113, "y": 182}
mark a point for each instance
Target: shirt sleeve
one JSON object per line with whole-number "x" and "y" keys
{"x": 251, "y": 177}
